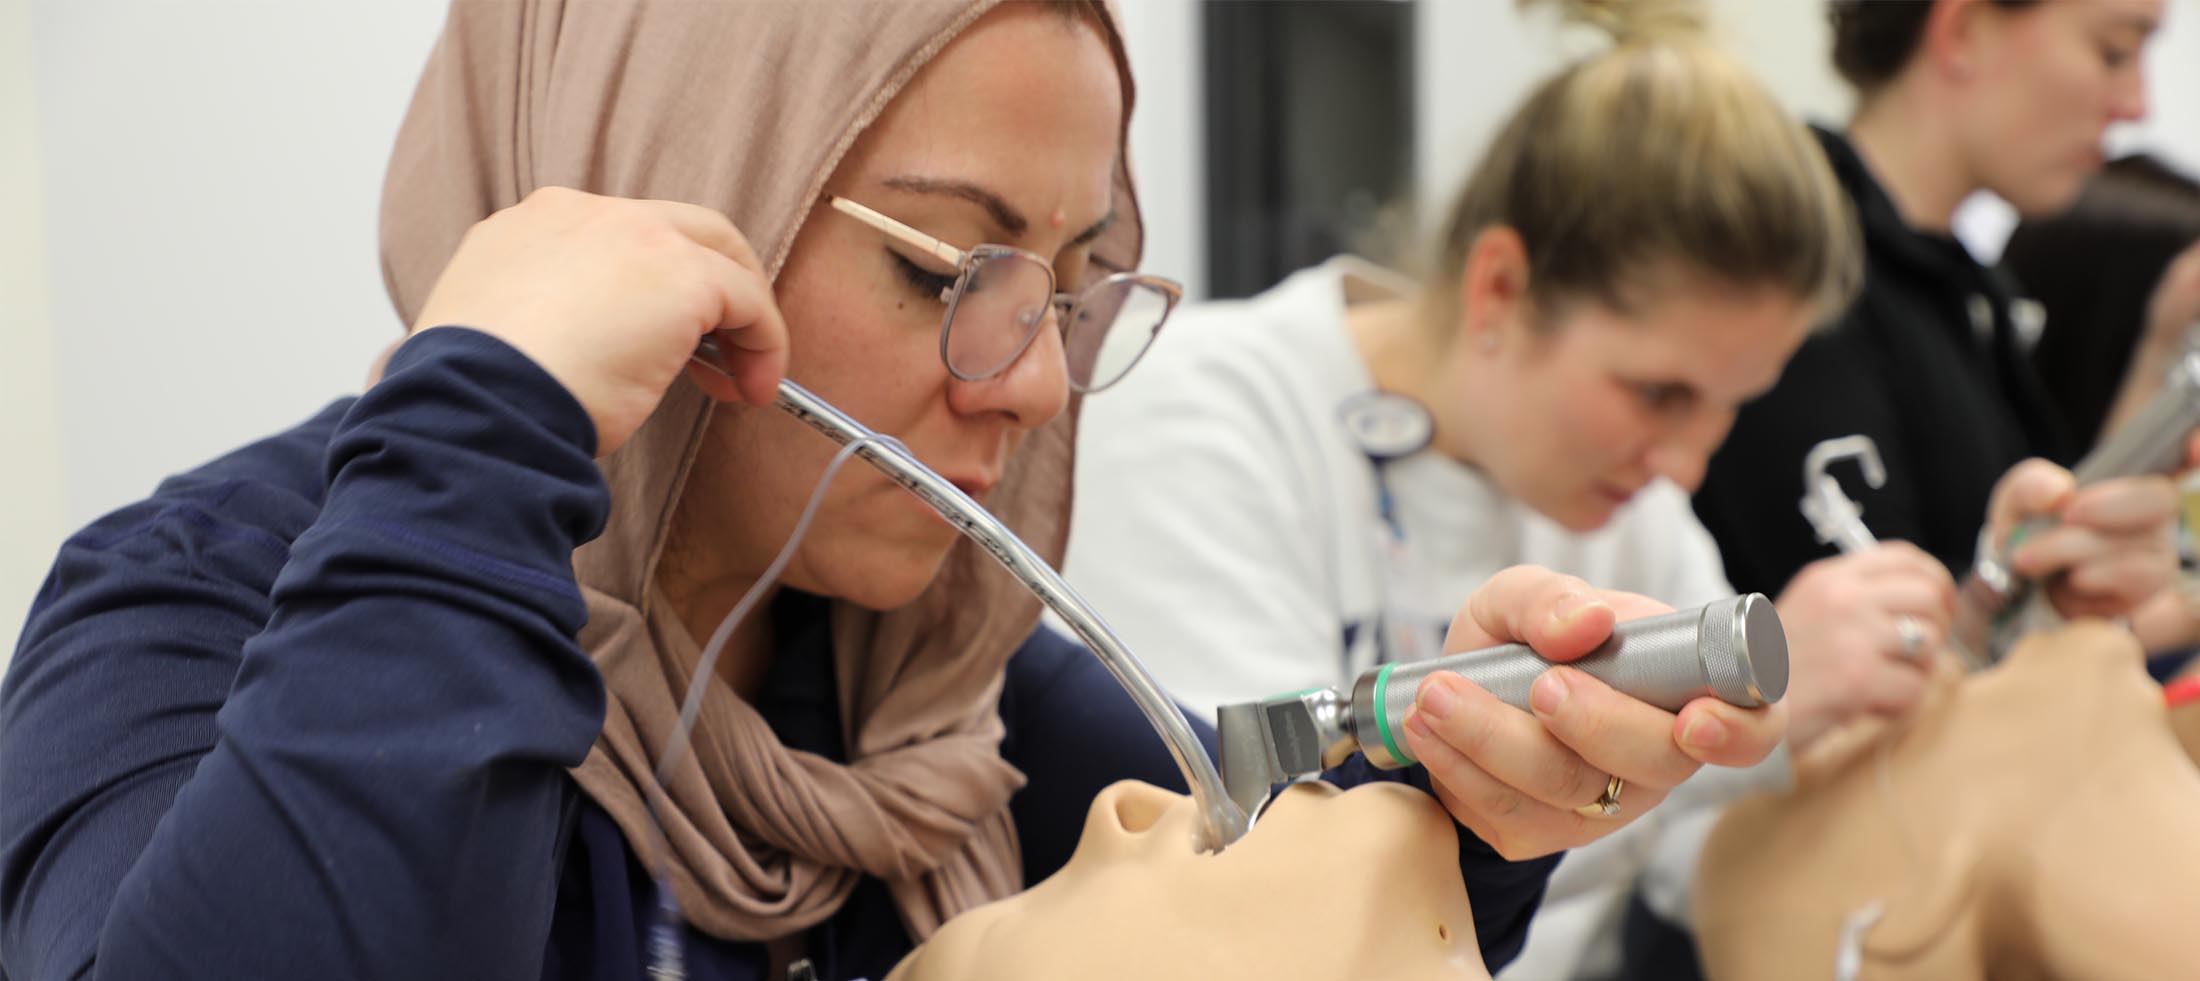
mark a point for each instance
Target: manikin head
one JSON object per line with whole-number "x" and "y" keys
{"x": 1329, "y": 884}
{"x": 2031, "y": 820}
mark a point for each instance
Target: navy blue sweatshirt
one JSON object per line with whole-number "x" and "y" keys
{"x": 308, "y": 710}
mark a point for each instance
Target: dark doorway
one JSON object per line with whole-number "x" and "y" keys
{"x": 1309, "y": 109}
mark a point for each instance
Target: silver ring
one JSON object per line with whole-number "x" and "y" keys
{"x": 1912, "y": 636}
{"x": 1607, "y": 804}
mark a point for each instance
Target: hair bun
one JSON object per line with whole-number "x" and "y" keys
{"x": 1634, "y": 21}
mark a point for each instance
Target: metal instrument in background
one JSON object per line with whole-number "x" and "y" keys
{"x": 1995, "y": 606}
{"x": 1839, "y": 520}
{"x": 1732, "y": 648}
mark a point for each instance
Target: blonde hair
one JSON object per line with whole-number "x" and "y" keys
{"x": 1660, "y": 155}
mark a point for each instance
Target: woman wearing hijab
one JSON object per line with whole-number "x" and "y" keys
{"x": 384, "y": 695}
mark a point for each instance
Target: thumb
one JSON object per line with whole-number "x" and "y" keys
{"x": 2031, "y": 489}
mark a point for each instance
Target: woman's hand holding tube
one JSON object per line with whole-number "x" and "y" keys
{"x": 1514, "y": 778}
{"x": 610, "y": 296}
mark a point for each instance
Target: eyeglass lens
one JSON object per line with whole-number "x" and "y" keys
{"x": 1002, "y": 300}
{"x": 1110, "y": 329}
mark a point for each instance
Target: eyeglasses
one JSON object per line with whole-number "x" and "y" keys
{"x": 998, "y": 297}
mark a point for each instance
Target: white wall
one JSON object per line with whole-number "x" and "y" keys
{"x": 1167, "y": 141}
{"x": 212, "y": 172}
{"x": 31, "y": 494}
{"x": 1475, "y": 61}
{"x": 2172, "y": 127}
{"x": 189, "y": 260}
{"x": 206, "y": 176}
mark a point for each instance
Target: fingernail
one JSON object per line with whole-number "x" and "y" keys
{"x": 1418, "y": 726}
{"x": 1704, "y": 732}
{"x": 1548, "y": 693}
{"x": 1572, "y": 605}
{"x": 1437, "y": 698}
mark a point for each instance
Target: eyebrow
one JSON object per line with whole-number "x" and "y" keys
{"x": 1099, "y": 228}
{"x": 2132, "y": 21}
{"x": 1003, "y": 214}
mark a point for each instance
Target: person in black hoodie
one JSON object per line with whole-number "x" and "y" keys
{"x": 1953, "y": 97}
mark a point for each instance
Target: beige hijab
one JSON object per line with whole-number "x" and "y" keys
{"x": 745, "y": 106}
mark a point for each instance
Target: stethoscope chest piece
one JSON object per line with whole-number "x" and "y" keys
{"x": 1387, "y": 425}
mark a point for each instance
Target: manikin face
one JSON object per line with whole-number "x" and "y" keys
{"x": 1357, "y": 884}
{"x": 2034, "y": 820}
{"x": 2038, "y": 88}
{"x": 1009, "y": 136}
{"x": 1575, "y": 416}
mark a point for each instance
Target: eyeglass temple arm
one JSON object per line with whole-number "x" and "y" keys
{"x": 1223, "y": 822}
{"x": 906, "y": 235}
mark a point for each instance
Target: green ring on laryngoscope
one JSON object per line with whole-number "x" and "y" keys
{"x": 1382, "y": 716}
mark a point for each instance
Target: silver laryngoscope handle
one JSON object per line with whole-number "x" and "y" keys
{"x": 1733, "y": 649}
{"x": 2154, "y": 440}
{"x": 1223, "y": 821}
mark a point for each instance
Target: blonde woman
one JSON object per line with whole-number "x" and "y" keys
{"x": 1300, "y": 485}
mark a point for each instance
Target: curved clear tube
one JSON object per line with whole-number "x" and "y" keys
{"x": 1223, "y": 821}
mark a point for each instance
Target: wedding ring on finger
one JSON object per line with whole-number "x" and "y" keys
{"x": 1912, "y": 636}
{"x": 1607, "y": 803}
